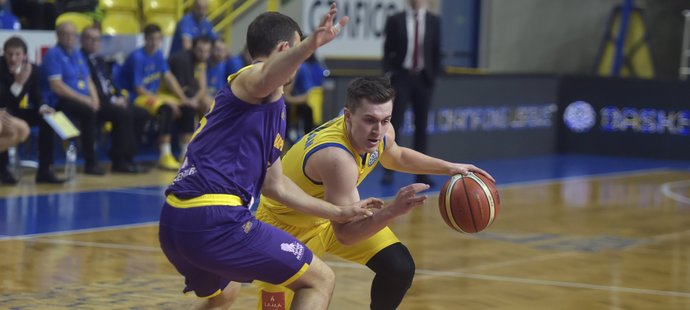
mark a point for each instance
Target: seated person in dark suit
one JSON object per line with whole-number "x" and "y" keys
{"x": 114, "y": 106}
{"x": 20, "y": 95}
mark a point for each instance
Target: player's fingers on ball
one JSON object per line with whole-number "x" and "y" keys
{"x": 486, "y": 174}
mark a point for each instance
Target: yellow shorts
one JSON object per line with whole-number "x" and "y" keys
{"x": 152, "y": 103}
{"x": 321, "y": 239}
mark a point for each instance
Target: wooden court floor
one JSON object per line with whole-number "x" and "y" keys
{"x": 619, "y": 241}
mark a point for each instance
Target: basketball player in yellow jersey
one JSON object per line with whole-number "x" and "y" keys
{"x": 329, "y": 163}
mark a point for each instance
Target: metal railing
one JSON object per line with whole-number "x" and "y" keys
{"x": 225, "y": 15}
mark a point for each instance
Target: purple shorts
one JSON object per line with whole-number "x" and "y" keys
{"x": 211, "y": 246}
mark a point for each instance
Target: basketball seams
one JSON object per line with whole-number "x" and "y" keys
{"x": 449, "y": 210}
{"x": 475, "y": 189}
{"x": 489, "y": 196}
{"x": 469, "y": 204}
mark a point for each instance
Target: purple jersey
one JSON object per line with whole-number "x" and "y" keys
{"x": 204, "y": 230}
{"x": 232, "y": 148}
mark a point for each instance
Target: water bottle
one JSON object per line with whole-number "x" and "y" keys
{"x": 71, "y": 161}
{"x": 13, "y": 162}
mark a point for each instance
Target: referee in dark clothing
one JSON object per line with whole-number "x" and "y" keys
{"x": 20, "y": 94}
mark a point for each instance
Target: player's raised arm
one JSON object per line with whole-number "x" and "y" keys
{"x": 404, "y": 159}
{"x": 279, "y": 187}
{"x": 264, "y": 81}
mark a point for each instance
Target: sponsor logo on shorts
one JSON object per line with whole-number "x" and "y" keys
{"x": 247, "y": 227}
{"x": 294, "y": 248}
{"x": 272, "y": 300}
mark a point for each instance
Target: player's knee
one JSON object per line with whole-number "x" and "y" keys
{"x": 403, "y": 269}
{"x": 326, "y": 277}
{"x": 318, "y": 276}
{"x": 223, "y": 300}
{"x": 394, "y": 262}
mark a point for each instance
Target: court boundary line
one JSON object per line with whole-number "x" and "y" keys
{"x": 429, "y": 273}
{"x": 138, "y": 191}
{"x": 667, "y": 190}
{"x": 102, "y": 245}
{"x": 79, "y": 231}
{"x": 500, "y": 186}
{"x": 459, "y": 274}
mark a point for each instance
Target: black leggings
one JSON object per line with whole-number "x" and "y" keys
{"x": 394, "y": 268}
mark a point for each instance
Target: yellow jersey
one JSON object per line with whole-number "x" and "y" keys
{"x": 330, "y": 134}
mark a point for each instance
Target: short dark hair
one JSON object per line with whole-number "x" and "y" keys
{"x": 15, "y": 42}
{"x": 269, "y": 29}
{"x": 151, "y": 29}
{"x": 202, "y": 39}
{"x": 376, "y": 89}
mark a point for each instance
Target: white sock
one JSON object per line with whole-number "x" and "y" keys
{"x": 166, "y": 149}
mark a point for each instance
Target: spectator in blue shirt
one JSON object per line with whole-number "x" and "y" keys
{"x": 239, "y": 61}
{"x": 7, "y": 19}
{"x": 192, "y": 25}
{"x": 300, "y": 114}
{"x": 141, "y": 76}
{"x": 72, "y": 90}
{"x": 215, "y": 71}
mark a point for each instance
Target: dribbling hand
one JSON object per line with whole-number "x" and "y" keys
{"x": 463, "y": 169}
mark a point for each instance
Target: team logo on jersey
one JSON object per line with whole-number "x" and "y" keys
{"x": 278, "y": 142}
{"x": 373, "y": 157}
{"x": 294, "y": 248}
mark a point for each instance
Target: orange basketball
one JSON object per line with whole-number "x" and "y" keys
{"x": 469, "y": 203}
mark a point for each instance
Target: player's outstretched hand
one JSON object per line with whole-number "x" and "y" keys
{"x": 407, "y": 198}
{"x": 465, "y": 168}
{"x": 327, "y": 31}
{"x": 360, "y": 209}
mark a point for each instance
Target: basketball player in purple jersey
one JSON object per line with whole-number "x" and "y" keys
{"x": 206, "y": 229}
